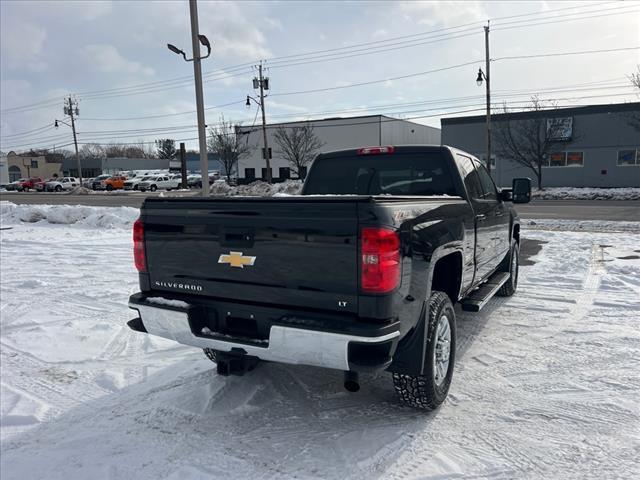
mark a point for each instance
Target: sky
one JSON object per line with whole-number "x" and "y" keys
{"x": 417, "y": 60}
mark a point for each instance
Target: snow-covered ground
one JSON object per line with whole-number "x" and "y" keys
{"x": 546, "y": 384}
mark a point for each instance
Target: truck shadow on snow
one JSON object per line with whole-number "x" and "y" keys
{"x": 279, "y": 420}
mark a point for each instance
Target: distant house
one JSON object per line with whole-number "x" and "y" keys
{"x": 33, "y": 165}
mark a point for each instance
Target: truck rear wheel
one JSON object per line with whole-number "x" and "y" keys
{"x": 429, "y": 390}
{"x": 509, "y": 287}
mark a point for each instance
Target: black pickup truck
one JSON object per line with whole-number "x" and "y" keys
{"x": 358, "y": 273}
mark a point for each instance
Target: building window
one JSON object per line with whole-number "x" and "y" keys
{"x": 575, "y": 159}
{"x": 303, "y": 173}
{"x": 264, "y": 173}
{"x": 14, "y": 173}
{"x": 284, "y": 172}
{"x": 250, "y": 173}
{"x": 34, "y": 163}
{"x": 558, "y": 159}
{"x": 628, "y": 157}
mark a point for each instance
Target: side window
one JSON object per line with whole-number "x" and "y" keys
{"x": 488, "y": 187}
{"x": 470, "y": 177}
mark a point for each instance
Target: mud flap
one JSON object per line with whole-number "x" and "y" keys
{"x": 409, "y": 356}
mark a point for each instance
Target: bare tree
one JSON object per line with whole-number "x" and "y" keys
{"x": 298, "y": 146}
{"x": 634, "y": 78}
{"x": 91, "y": 150}
{"x": 633, "y": 118}
{"x": 528, "y": 141}
{"x": 225, "y": 141}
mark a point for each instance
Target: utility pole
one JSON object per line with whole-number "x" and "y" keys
{"x": 266, "y": 155}
{"x": 75, "y": 139}
{"x": 70, "y": 109}
{"x": 197, "y": 73}
{"x": 183, "y": 165}
{"x": 487, "y": 67}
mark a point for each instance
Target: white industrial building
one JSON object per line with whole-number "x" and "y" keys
{"x": 335, "y": 134}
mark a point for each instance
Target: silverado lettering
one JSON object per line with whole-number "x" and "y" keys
{"x": 359, "y": 273}
{"x": 181, "y": 286}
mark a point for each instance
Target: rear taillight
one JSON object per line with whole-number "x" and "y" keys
{"x": 380, "y": 260}
{"x": 138, "y": 246}
{"x": 375, "y": 150}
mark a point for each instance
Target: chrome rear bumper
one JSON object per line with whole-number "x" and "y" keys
{"x": 285, "y": 344}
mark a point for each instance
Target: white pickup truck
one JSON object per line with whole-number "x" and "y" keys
{"x": 166, "y": 182}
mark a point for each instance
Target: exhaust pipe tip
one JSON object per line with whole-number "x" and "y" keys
{"x": 351, "y": 383}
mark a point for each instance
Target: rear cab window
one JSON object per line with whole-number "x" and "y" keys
{"x": 404, "y": 173}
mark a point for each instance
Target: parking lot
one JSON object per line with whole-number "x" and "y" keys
{"x": 546, "y": 383}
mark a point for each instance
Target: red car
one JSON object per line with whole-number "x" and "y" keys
{"x": 29, "y": 184}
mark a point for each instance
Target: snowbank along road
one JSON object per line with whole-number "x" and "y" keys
{"x": 546, "y": 384}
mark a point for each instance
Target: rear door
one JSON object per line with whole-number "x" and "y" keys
{"x": 497, "y": 215}
{"x": 294, "y": 252}
{"x": 484, "y": 241}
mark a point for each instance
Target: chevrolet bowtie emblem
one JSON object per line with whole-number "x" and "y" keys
{"x": 236, "y": 259}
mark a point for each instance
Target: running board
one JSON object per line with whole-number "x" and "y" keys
{"x": 480, "y": 297}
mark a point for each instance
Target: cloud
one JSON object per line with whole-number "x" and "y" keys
{"x": 22, "y": 45}
{"x": 443, "y": 12}
{"x": 107, "y": 59}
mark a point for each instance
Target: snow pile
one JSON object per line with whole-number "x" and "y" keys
{"x": 581, "y": 225}
{"x": 575, "y": 193}
{"x": 80, "y": 191}
{"x": 256, "y": 189}
{"x": 92, "y": 217}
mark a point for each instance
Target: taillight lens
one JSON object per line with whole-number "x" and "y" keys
{"x": 380, "y": 260}
{"x": 138, "y": 246}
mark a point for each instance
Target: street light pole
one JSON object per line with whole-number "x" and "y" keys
{"x": 488, "y": 79}
{"x": 197, "y": 73}
{"x": 69, "y": 110}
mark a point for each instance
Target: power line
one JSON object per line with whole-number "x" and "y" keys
{"x": 441, "y": 109}
{"x": 347, "y": 51}
{"x": 562, "y": 54}
{"x": 101, "y": 134}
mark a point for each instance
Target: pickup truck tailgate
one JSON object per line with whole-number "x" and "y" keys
{"x": 256, "y": 250}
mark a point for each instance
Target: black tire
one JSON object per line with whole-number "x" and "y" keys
{"x": 513, "y": 267}
{"x": 153, "y": 188}
{"x": 135, "y": 187}
{"x": 143, "y": 190}
{"x": 211, "y": 354}
{"x": 58, "y": 188}
{"x": 425, "y": 391}
{"x": 109, "y": 188}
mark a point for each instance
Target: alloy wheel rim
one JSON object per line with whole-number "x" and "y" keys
{"x": 442, "y": 350}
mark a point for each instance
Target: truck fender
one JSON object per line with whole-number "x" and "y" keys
{"x": 409, "y": 357}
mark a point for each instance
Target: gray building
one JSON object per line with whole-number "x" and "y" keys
{"x": 335, "y": 134}
{"x": 597, "y": 145}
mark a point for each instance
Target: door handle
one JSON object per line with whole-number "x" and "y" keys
{"x": 481, "y": 217}
{"x": 499, "y": 214}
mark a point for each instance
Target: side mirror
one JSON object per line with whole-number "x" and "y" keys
{"x": 521, "y": 190}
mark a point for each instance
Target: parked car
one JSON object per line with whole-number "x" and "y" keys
{"x": 64, "y": 183}
{"x": 29, "y": 184}
{"x": 13, "y": 186}
{"x": 115, "y": 182}
{"x": 359, "y": 273}
{"x": 98, "y": 182}
{"x": 42, "y": 186}
{"x": 159, "y": 182}
{"x": 132, "y": 183}
{"x": 88, "y": 182}
{"x": 193, "y": 180}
